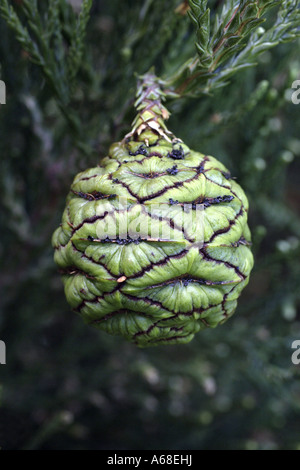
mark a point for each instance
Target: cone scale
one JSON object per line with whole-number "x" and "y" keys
{"x": 154, "y": 243}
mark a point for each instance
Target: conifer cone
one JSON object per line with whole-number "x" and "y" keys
{"x": 154, "y": 243}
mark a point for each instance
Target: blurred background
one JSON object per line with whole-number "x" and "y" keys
{"x": 68, "y": 386}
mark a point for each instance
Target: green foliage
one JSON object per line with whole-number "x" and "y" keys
{"x": 66, "y": 386}
{"x": 234, "y": 41}
{"x": 43, "y": 39}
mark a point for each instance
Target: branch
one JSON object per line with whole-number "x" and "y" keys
{"x": 234, "y": 42}
{"x": 42, "y": 39}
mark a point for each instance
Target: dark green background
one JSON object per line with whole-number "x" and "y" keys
{"x": 67, "y": 386}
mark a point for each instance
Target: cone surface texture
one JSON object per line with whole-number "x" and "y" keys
{"x": 154, "y": 243}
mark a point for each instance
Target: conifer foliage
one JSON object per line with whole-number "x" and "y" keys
{"x": 229, "y": 70}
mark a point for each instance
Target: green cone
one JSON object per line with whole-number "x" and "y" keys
{"x": 154, "y": 243}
